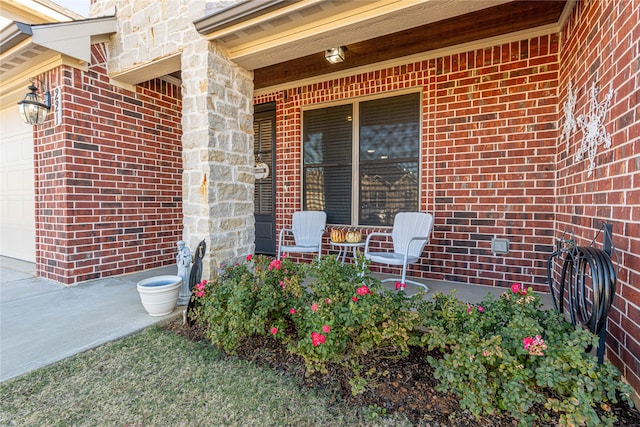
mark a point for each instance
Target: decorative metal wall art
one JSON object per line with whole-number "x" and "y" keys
{"x": 569, "y": 118}
{"x": 591, "y": 124}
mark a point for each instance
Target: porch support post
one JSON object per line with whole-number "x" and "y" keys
{"x": 218, "y": 177}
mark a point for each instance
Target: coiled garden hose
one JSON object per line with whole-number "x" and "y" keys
{"x": 590, "y": 279}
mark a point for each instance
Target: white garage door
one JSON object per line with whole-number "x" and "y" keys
{"x": 17, "y": 215}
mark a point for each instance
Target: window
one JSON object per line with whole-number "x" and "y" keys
{"x": 363, "y": 177}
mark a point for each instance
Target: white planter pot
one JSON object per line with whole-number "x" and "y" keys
{"x": 159, "y": 295}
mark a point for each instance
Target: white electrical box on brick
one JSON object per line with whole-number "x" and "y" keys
{"x": 499, "y": 246}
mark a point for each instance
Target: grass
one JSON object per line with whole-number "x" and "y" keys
{"x": 159, "y": 378}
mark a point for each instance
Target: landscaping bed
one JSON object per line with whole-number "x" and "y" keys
{"x": 409, "y": 387}
{"x": 442, "y": 362}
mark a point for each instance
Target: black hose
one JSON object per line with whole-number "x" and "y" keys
{"x": 590, "y": 280}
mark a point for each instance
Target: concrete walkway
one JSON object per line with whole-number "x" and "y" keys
{"x": 42, "y": 322}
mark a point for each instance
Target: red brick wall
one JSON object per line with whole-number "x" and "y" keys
{"x": 109, "y": 178}
{"x": 491, "y": 116}
{"x": 601, "y": 45}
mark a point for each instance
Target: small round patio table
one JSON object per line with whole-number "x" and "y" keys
{"x": 343, "y": 250}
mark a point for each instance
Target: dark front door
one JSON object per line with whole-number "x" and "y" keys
{"x": 264, "y": 129}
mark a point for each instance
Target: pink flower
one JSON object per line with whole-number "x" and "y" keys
{"x": 314, "y": 307}
{"x": 517, "y": 288}
{"x": 327, "y": 301}
{"x": 481, "y": 309}
{"x": 317, "y": 339}
{"x": 274, "y": 265}
{"x": 354, "y": 299}
{"x": 292, "y": 311}
{"x": 249, "y": 257}
{"x": 363, "y": 290}
{"x": 469, "y": 308}
{"x": 400, "y": 286}
{"x": 274, "y": 330}
{"x": 326, "y": 329}
{"x": 282, "y": 285}
{"x": 200, "y": 294}
{"x": 527, "y": 342}
{"x": 535, "y": 346}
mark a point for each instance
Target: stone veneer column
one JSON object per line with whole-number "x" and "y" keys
{"x": 218, "y": 178}
{"x": 217, "y": 119}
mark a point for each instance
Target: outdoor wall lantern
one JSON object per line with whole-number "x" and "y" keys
{"x": 33, "y": 107}
{"x": 335, "y": 54}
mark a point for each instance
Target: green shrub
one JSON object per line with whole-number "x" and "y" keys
{"x": 502, "y": 355}
{"x": 351, "y": 318}
{"x": 508, "y": 355}
{"x": 247, "y": 299}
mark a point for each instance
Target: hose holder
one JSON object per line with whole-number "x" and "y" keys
{"x": 584, "y": 266}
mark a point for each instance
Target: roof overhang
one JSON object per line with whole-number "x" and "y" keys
{"x": 76, "y": 37}
{"x": 27, "y": 50}
{"x": 285, "y": 41}
{"x": 277, "y": 31}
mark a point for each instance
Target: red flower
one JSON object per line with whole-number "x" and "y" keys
{"x": 517, "y": 288}
{"x": 326, "y": 329}
{"x": 249, "y": 257}
{"x": 527, "y": 342}
{"x": 363, "y": 290}
{"x": 292, "y": 311}
{"x": 354, "y": 299}
{"x": 274, "y": 330}
{"x": 274, "y": 265}
{"x": 314, "y": 307}
{"x": 317, "y": 339}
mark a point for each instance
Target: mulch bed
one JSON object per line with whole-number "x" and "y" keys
{"x": 407, "y": 386}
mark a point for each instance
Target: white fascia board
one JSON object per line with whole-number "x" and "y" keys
{"x": 74, "y": 38}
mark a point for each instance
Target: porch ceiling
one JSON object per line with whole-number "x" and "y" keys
{"x": 284, "y": 41}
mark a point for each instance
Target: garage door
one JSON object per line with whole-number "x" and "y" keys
{"x": 17, "y": 215}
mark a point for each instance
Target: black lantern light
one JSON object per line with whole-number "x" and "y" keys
{"x": 32, "y": 110}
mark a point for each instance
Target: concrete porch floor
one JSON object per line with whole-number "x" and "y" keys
{"x": 467, "y": 293}
{"x": 42, "y": 322}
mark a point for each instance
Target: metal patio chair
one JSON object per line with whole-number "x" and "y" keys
{"x": 307, "y": 228}
{"x": 411, "y": 232}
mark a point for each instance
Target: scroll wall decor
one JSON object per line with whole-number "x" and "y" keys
{"x": 594, "y": 133}
{"x": 569, "y": 118}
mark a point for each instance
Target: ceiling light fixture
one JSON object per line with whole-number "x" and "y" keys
{"x": 335, "y": 54}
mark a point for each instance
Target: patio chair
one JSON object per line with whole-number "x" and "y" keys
{"x": 411, "y": 232}
{"x": 307, "y": 228}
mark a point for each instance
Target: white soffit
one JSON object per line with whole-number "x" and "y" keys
{"x": 74, "y": 38}
{"x": 310, "y": 26}
{"x": 158, "y": 68}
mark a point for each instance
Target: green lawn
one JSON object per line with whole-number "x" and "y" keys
{"x": 159, "y": 378}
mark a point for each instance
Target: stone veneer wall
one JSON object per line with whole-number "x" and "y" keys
{"x": 217, "y": 120}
